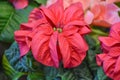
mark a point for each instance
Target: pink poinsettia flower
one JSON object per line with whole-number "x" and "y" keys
{"x": 97, "y": 12}
{"x": 103, "y": 14}
{"x": 110, "y": 58}
{"x": 19, "y": 4}
{"x": 55, "y": 34}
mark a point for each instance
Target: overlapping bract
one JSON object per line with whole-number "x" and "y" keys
{"x": 55, "y": 34}
{"x": 110, "y": 58}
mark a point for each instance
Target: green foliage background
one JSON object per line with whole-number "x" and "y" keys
{"x": 14, "y": 68}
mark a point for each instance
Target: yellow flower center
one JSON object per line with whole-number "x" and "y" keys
{"x": 57, "y": 29}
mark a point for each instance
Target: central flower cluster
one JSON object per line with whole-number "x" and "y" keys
{"x": 51, "y": 45}
{"x": 57, "y": 29}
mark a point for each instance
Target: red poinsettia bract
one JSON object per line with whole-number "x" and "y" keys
{"x": 110, "y": 58}
{"x": 55, "y": 34}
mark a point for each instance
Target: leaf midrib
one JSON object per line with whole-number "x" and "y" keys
{"x": 11, "y": 15}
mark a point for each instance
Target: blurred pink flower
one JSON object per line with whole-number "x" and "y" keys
{"x": 19, "y": 4}
{"x": 110, "y": 58}
{"x": 85, "y": 3}
{"x": 112, "y": 1}
{"x": 97, "y": 12}
{"x": 102, "y": 14}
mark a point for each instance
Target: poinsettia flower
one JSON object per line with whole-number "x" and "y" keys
{"x": 55, "y": 34}
{"x": 19, "y": 4}
{"x": 110, "y": 58}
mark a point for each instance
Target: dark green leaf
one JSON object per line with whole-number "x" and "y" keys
{"x": 10, "y": 20}
{"x": 91, "y": 42}
{"x": 14, "y": 66}
{"x": 50, "y": 73}
{"x": 12, "y": 73}
{"x": 35, "y": 76}
{"x": 13, "y": 56}
{"x": 101, "y": 75}
{"x": 41, "y": 1}
{"x": 67, "y": 76}
{"x": 98, "y": 31}
{"x": 79, "y": 73}
{"x": 82, "y": 72}
{"x": 91, "y": 54}
{"x": 91, "y": 61}
{"x": 59, "y": 74}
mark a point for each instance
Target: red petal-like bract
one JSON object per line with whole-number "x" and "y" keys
{"x": 110, "y": 58}
{"x": 73, "y": 49}
{"x": 55, "y": 34}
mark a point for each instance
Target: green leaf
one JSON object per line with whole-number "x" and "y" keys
{"x": 91, "y": 61}
{"x": 60, "y": 73}
{"x": 10, "y": 20}
{"x": 98, "y": 31}
{"x": 41, "y": 1}
{"x": 81, "y": 72}
{"x": 67, "y": 76}
{"x": 14, "y": 66}
{"x": 91, "y": 54}
{"x": 23, "y": 64}
{"x": 101, "y": 75}
{"x": 91, "y": 42}
{"x": 12, "y": 73}
{"x": 50, "y": 73}
{"x": 35, "y": 76}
